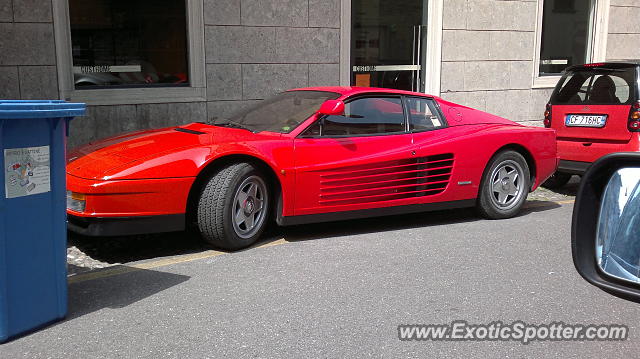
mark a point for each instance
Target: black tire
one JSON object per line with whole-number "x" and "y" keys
{"x": 501, "y": 194}
{"x": 558, "y": 180}
{"x": 226, "y": 199}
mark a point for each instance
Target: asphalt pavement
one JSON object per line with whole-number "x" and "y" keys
{"x": 340, "y": 290}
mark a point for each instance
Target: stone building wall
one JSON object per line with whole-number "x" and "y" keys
{"x": 256, "y": 48}
{"x": 624, "y": 32}
{"x": 27, "y": 50}
{"x": 487, "y": 57}
{"x": 253, "y": 49}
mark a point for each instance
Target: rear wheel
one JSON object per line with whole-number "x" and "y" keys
{"x": 505, "y": 186}
{"x": 233, "y": 207}
{"x": 558, "y": 180}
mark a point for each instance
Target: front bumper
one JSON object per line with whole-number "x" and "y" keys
{"x": 131, "y": 198}
{"x": 125, "y": 226}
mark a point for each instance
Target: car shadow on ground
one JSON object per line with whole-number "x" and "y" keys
{"x": 115, "y": 250}
{"x": 117, "y": 291}
{"x": 111, "y": 291}
{"x": 571, "y": 188}
{"x": 394, "y": 223}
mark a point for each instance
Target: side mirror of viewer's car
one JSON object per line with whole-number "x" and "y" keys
{"x": 605, "y": 233}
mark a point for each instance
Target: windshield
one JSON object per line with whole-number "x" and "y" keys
{"x": 596, "y": 86}
{"x": 281, "y": 113}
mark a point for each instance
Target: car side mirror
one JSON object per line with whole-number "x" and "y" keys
{"x": 605, "y": 231}
{"x": 332, "y": 108}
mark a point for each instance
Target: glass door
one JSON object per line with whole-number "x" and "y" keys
{"x": 388, "y": 43}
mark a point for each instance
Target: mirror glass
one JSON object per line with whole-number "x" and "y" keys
{"x": 618, "y": 237}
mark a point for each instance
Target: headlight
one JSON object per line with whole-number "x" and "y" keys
{"x": 76, "y": 202}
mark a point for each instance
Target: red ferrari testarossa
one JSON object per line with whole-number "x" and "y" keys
{"x": 307, "y": 155}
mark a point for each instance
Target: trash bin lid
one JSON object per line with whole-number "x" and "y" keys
{"x": 19, "y": 109}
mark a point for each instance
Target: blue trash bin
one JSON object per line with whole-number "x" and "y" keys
{"x": 33, "y": 236}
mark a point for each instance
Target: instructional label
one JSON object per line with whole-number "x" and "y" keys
{"x": 27, "y": 171}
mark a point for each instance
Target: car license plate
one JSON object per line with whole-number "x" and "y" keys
{"x": 586, "y": 120}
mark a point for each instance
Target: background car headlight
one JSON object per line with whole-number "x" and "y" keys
{"x": 76, "y": 201}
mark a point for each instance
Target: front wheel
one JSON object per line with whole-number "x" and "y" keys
{"x": 233, "y": 207}
{"x": 505, "y": 186}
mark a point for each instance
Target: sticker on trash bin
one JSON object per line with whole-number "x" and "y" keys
{"x": 27, "y": 171}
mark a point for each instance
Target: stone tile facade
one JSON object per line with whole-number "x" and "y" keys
{"x": 27, "y": 50}
{"x": 101, "y": 120}
{"x": 624, "y": 32}
{"x": 487, "y": 57}
{"x": 255, "y": 48}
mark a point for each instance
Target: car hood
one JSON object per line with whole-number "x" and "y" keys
{"x": 104, "y": 158}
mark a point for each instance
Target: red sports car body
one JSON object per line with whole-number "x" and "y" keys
{"x": 340, "y": 153}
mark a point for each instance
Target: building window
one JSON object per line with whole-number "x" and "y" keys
{"x": 358, "y": 44}
{"x": 119, "y": 52}
{"x": 129, "y": 43}
{"x": 564, "y": 6}
{"x": 387, "y": 39}
{"x": 567, "y": 35}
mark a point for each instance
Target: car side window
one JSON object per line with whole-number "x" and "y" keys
{"x": 367, "y": 116}
{"x": 423, "y": 114}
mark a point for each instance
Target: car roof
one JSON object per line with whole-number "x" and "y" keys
{"x": 610, "y": 64}
{"x": 352, "y": 90}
